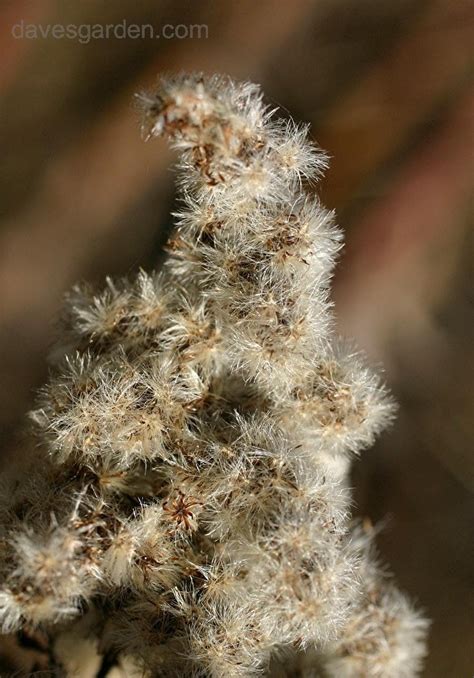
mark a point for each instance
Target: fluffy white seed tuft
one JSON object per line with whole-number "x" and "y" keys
{"x": 189, "y": 500}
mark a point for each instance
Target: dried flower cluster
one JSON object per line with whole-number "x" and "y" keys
{"x": 188, "y": 512}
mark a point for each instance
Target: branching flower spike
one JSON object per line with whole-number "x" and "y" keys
{"x": 188, "y": 512}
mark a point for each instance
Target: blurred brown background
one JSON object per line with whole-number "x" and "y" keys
{"x": 387, "y": 86}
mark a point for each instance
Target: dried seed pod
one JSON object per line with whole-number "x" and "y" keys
{"x": 192, "y": 500}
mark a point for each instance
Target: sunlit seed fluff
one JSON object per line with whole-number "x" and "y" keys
{"x": 117, "y": 408}
{"x": 340, "y": 402}
{"x": 384, "y": 636}
{"x": 188, "y": 504}
{"x": 143, "y": 554}
{"x": 129, "y": 313}
{"x": 52, "y": 576}
{"x": 226, "y": 639}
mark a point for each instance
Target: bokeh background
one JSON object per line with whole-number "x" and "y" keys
{"x": 387, "y": 87}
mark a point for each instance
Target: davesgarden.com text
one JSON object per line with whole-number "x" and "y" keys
{"x": 85, "y": 33}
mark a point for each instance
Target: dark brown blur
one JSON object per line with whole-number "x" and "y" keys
{"x": 387, "y": 87}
